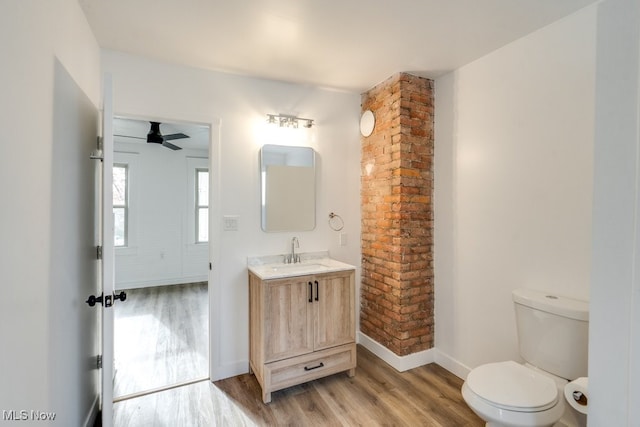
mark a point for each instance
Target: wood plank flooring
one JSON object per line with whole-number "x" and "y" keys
{"x": 377, "y": 396}
{"x": 161, "y": 337}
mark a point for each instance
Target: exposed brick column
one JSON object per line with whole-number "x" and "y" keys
{"x": 397, "y": 215}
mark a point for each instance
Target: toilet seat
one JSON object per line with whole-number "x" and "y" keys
{"x": 513, "y": 387}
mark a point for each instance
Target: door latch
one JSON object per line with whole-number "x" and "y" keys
{"x": 107, "y": 300}
{"x": 92, "y": 300}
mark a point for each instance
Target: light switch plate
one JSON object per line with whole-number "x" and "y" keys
{"x": 230, "y": 223}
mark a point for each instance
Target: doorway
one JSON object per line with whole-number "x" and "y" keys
{"x": 161, "y": 237}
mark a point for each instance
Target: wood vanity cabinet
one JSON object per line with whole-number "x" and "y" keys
{"x": 301, "y": 328}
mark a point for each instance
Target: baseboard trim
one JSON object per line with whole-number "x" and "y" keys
{"x": 94, "y": 410}
{"x": 452, "y": 365}
{"x": 399, "y": 363}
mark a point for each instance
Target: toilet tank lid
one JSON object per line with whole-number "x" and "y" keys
{"x": 553, "y": 303}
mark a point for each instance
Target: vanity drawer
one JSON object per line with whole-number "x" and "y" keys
{"x": 290, "y": 372}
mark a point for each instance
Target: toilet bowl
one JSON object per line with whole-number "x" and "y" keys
{"x": 511, "y": 394}
{"x": 553, "y": 341}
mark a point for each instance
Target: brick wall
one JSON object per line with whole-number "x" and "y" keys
{"x": 397, "y": 215}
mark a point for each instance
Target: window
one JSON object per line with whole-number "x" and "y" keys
{"x": 202, "y": 205}
{"x": 120, "y": 204}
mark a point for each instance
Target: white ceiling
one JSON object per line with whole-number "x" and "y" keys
{"x": 344, "y": 44}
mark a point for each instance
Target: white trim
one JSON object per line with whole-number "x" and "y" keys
{"x": 400, "y": 363}
{"x": 216, "y": 370}
{"x": 452, "y": 365}
{"x": 107, "y": 270}
{"x": 130, "y": 159}
{"x": 193, "y": 164}
{"x": 404, "y": 363}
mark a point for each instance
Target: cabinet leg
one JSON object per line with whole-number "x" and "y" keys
{"x": 351, "y": 372}
{"x": 266, "y": 397}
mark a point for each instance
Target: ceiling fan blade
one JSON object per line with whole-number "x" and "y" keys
{"x": 129, "y": 136}
{"x": 175, "y": 136}
{"x": 171, "y": 146}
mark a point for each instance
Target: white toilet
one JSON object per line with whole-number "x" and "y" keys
{"x": 552, "y": 335}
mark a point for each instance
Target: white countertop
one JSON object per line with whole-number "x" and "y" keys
{"x": 274, "y": 267}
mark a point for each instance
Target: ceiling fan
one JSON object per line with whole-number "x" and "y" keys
{"x": 156, "y": 137}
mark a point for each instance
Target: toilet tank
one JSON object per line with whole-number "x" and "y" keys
{"x": 553, "y": 332}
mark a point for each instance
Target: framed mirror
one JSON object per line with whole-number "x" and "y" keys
{"x": 288, "y": 181}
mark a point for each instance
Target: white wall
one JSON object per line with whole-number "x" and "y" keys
{"x": 614, "y": 333}
{"x": 513, "y": 186}
{"x": 148, "y": 88}
{"x": 161, "y": 249}
{"x": 48, "y": 116}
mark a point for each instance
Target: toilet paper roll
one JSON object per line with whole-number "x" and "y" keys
{"x": 577, "y": 394}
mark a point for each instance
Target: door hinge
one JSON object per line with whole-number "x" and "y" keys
{"x": 210, "y": 266}
{"x": 97, "y": 153}
{"x": 99, "y": 361}
{"x": 99, "y": 252}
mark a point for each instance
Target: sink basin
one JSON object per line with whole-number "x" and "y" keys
{"x": 272, "y": 267}
{"x": 299, "y": 267}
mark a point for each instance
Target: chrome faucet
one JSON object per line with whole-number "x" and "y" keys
{"x": 292, "y": 258}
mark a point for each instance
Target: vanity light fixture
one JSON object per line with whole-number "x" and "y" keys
{"x": 286, "y": 121}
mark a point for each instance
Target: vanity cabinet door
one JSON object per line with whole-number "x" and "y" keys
{"x": 334, "y": 317}
{"x": 288, "y": 318}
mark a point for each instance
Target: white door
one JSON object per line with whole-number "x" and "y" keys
{"x": 106, "y": 237}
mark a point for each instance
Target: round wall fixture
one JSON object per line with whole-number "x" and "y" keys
{"x": 367, "y": 123}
